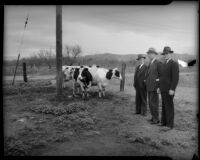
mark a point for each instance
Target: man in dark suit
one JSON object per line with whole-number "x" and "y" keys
{"x": 152, "y": 81}
{"x": 140, "y": 87}
{"x": 168, "y": 82}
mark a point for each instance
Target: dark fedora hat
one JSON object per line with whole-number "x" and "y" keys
{"x": 140, "y": 56}
{"x": 152, "y": 50}
{"x": 167, "y": 50}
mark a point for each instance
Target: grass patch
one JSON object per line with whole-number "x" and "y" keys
{"x": 24, "y": 141}
{"x": 61, "y": 109}
{"x": 78, "y": 121}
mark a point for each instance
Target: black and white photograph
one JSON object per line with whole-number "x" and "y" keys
{"x": 101, "y": 80}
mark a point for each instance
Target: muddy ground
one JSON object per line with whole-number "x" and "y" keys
{"x": 37, "y": 123}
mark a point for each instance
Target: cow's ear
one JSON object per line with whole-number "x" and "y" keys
{"x": 192, "y": 63}
{"x": 116, "y": 73}
{"x": 109, "y": 74}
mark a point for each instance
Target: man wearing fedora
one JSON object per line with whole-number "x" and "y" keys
{"x": 140, "y": 86}
{"x": 152, "y": 82}
{"x": 168, "y": 82}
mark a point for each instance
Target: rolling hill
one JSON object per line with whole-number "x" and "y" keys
{"x": 128, "y": 58}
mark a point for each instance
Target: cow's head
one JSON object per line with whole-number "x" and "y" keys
{"x": 85, "y": 75}
{"x": 76, "y": 73}
{"x": 67, "y": 72}
{"x": 80, "y": 75}
{"x": 117, "y": 74}
{"x": 113, "y": 73}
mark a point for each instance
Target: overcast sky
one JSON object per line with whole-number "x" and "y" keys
{"x": 116, "y": 29}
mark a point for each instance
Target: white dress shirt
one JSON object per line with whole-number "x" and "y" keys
{"x": 168, "y": 60}
{"x": 153, "y": 60}
{"x": 141, "y": 65}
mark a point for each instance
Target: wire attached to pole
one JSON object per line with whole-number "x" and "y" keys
{"x": 21, "y": 43}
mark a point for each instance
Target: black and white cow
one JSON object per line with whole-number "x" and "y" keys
{"x": 85, "y": 80}
{"x": 100, "y": 76}
{"x": 187, "y": 64}
{"x": 71, "y": 73}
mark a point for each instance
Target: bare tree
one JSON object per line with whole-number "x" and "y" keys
{"x": 34, "y": 60}
{"x": 68, "y": 50}
{"x": 76, "y": 51}
{"x": 66, "y": 53}
{"x": 72, "y": 52}
{"x": 49, "y": 57}
{"x": 46, "y": 57}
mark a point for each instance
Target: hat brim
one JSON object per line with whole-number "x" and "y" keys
{"x": 152, "y": 52}
{"x": 167, "y": 53}
{"x": 140, "y": 58}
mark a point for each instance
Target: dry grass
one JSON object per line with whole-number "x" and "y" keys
{"x": 35, "y": 119}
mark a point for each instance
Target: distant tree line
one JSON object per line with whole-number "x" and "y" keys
{"x": 47, "y": 57}
{"x": 71, "y": 56}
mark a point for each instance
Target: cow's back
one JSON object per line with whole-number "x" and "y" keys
{"x": 100, "y": 76}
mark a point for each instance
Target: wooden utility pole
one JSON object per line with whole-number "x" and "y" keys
{"x": 123, "y": 76}
{"x": 59, "y": 50}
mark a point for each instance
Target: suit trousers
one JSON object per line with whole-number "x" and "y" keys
{"x": 141, "y": 100}
{"x": 167, "y": 118}
{"x": 153, "y": 105}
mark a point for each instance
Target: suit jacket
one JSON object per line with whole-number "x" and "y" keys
{"x": 152, "y": 76}
{"x": 169, "y": 76}
{"x": 140, "y": 76}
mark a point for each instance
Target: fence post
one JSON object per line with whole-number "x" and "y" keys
{"x": 24, "y": 72}
{"x": 123, "y": 76}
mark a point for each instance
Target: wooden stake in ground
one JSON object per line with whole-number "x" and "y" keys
{"x": 123, "y": 76}
{"x": 59, "y": 50}
{"x": 15, "y": 70}
{"x": 24, "y": 72}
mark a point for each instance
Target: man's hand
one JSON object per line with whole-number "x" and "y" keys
{"x": 158, "y": 90}
{"x": 171, "y": 92}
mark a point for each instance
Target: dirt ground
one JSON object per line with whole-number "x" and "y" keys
{"x": 37, "y": 123}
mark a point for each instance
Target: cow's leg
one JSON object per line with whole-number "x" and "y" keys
{"x": 64, "y": 85}
{"x": 100, "y": 89}
{"x": 83, "y": 90}
{"x": 74, "y": 83}
{"x": 78, "y": 89}
{"x": 83, "y": 94}
{"x": 88, "y": 89}
{"x": 103, "y": 89}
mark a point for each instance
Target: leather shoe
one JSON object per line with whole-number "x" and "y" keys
{"x": 155, "y": 122}
{"x": 151, "y": 120}
{"x": 165, "y": 129}
{"x": 161, "y": 125}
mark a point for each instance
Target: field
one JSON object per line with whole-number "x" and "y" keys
{"x": 36, "y": 123}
